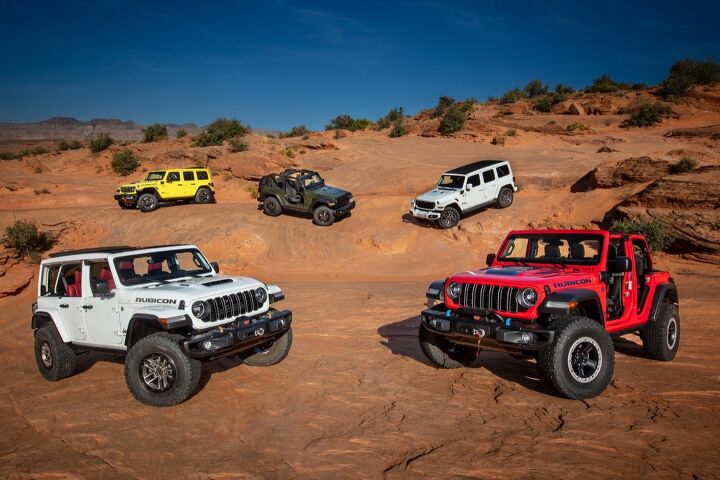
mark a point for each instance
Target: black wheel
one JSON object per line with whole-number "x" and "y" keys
{"x": 449, "y": 217}
{"x": 126, "y": 206}
{"x": 505, "y": 198}
{"x": 203, "y": 195}
{"x": 444, "y": 353}
{"x": 661, "y": 337}
{"x": 271, "y": 207}
{"x": 580, "y": 361}
{"x": 158, "y": 373}
{"x": 55, "y": 359}
{"x": 272, "y": 354}
{"x": 323, "y": 216}
{"x": 148, "y": 202}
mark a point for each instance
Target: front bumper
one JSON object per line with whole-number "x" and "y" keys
{"x": 126, "y": 197}
{"x": 425, "y": 214}
{"x": 342, "y": 210}
{"x": 470, "y": 325}
{"x": 243, "y": 334}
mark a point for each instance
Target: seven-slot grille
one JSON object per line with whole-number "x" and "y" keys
{"x": 231, "y": 305}
{"x": 342, "y": 200}
{"x": 490, "y": 297}
{"x": 424, "y": 204}
{"x": 127, "y": 189}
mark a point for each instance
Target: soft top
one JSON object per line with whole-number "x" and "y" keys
{"x": 108, "y": 250}
{"x": 471, "y": 167}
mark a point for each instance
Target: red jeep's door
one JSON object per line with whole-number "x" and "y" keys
{"x": 625, "y": 317}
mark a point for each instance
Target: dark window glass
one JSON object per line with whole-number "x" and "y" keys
{"x": 473, "y": 181}
{"x": 173, "y": 177}
{"x": 503, "y": 171}
{"x": 202, "y": 175}
{"x": 188, "y": 176}
{"x": 488, "y": 176}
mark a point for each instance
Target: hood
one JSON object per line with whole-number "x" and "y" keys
{"x": 327, "y": 191}
{"x": 437, "y": 194}
{"x": 553, "y": 277}
{"x": 197, "y": 288}
{"x": 137, "y": 184}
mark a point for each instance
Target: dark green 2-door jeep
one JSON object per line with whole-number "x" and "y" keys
{"x": 304, "y": 191}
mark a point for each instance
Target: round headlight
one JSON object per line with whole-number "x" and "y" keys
{"x": 200, "y": 309}
{"x": 527, "y": 297}
{"x": 454, "y": 290}
{"x": 260, "y": 295}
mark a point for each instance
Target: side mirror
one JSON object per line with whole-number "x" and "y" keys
{"x": 101, "y": 288}
{"x": 620, "y": 265}
{"x": 469, "y": 186}
{"x": 216, "y": 266}
{"x": 490, "y": 259}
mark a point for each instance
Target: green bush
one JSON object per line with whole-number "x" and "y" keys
{"x": 155, "y": 132}
{"x": 443, "y": 104}
{"x": 561, "y": 89}
{"x": 346, "y": 122}
{"x": 100, "y": 143}
{"x": 220, "y": 130}
{"x": 535, "y": 88}
{"x": 686, "y": 73}
{"x": 647, "y": 115}
{"x": 654, "y": 231}
{"x": 398, "y": 129}
{"x": 39, "y": 151}
{"x": 290, "y": 151}
{"x": 546, "y": 102}
{"x": 511, "y": 133}
{"x": 605, "y": 84}
{"x": 297, "y": 131}
{"x": 392, "y": 116}
{"x": 237, "y": 144}
{"x": 512, "y": 96}
{"x": 65, "y": 145}
{"x": 124, "y": 162}
{"x": 576, "y": 126}
{"x": 181, "y": 133}
{"x": 639, "y": 86}
{"x": 26, "y": 240}
{"x": 453, "y": 121}
{"x": 684, "y": 165}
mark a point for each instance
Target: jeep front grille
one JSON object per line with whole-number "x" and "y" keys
{"x": 490, "y": 297}
{"x": 342, "y": 200}
{"x": 127, "y": 189}
{"x": 231, "y": 305}
{"x": 424, "y": 204}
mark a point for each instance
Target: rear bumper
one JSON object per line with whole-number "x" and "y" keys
{"x": 425, "y": 214}
{"x": 243, "y": 334}
{"x": 345, "y": 208}
{"x": 469, "y": 326}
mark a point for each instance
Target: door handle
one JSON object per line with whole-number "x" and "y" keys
{"x": 87, "y": 307}
{"x": 64, "y": 305}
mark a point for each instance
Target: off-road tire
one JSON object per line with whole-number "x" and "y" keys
{"x": 276, "y": 353}
{"x": 576, "y": 336}
{"x": 505, "y": 197}
{"x": 443, "y": 353}
{"x": 449, "y": 218}
{"x": 661, "y": 337}
{"x": 272, "y": 207}
{"x": 59, "y": 359}
{"x": 203, "y": 195}
{"x": 163, "y": 346}
{"x": 323, "y": 216}
{"x": 147, "y": 202}
{"x": 125, "y": 206}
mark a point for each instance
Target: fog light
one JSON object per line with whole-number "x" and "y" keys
{"x": 207, "y": 344}
{"x": 525, "y": 338}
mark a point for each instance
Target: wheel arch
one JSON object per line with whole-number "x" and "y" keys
{"x": 143, "y": 324}
{"x": 663, "y": 292}
{"x": 320, "y": 202}
{"x": 152, "y": 190}
{"x": 42, "y": 318}
{"x": 572, "y": 302}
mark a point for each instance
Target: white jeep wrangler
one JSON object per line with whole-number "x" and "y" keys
{"x": 165, "y": 308}
{"x": 465, "y": 189}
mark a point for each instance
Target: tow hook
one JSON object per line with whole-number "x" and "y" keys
{"x": 479, "y": 332}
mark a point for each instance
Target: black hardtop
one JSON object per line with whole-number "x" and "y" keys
{"x": 109, "y": 250}
{"x": 471, "y": 167}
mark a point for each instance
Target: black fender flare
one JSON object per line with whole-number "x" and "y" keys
{"x": 560, "y": 303}
{"x": 263, "y": 196}
{"x": 142, "y": 324}
{"x": 318, "y": 202}
{"x": 39, "y": 320}
{"x": 149, "y": 190}
{"x": 662, "y": 291}
{"x": 436, "y": 290}
{"x": 455, "y": 206}
{"x": 507, "y": 186}
{"x": 206, "y": 187}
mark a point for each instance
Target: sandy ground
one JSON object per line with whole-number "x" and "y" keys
{"x": 355, "y": 398}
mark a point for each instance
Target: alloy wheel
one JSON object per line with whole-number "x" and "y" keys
{"x": 584, "y": 360}
{"x": 158, "y": 372}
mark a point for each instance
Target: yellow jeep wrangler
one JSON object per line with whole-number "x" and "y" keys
{"x": 171, "y": 185}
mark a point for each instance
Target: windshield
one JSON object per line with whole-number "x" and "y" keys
{"x": 160, "y": 266}
{"x": 154, "y": 176}
{"x": 453, "y": 182}
{"x": 313, "y": 181}
{"x": 553, "y": 248}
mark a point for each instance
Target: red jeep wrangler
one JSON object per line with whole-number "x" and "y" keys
{"x": 559, "y": 296}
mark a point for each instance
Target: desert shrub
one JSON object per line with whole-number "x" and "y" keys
{"x": 392, "y": 116}
{"x": 576, "y": 126}
{"x": 648, "y": 114}
{"x": 337, "y": 135}
{"x": 686, "y": 72}
{"x": 546, "y": 102}
{"x": 452, "y": 121}
{"x": 511, "y": 133}
{"x": 561, "y": 89}
{"x": 220, "y": 130}
{"x": 42, "y": 191}
{"x": 290, "y": 151}
{"x": 39, "y": 151}
{"x": 181, "y": 133}
{"x": 535, "y": 88}
{"x": 100, "y": 143}
{"x": 124, "y": 162}
{"x": 26, "y": 240}
{"x": 443, "y": 104}
{"x": 72, "y": 145}
{"x": 685, "y": 164}
{"x": 606, "y": 84}
{"x": 467, "y": 105}
{"x": 237, "y": 144}
{"x": 398, "y": 129}
{"x": 297, "y": 131}
{"x": 346, "y": 122}
{"x": 654, "y": 231}
{"x": 639, "y": 86}
{"x": 512, "y": 96}
{"x": 155, "y": 132}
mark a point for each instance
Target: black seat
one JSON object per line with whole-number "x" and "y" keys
{"x": 291, "y": 193}
{"x": 577, "y": 251}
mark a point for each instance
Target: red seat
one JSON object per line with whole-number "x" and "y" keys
{"x": 75, "y": 290}
{"x": 155, "y": 267}
{"x": 106, "y": 274}
{"x": 126, "y": 270}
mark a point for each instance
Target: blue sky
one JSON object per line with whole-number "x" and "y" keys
{"x": 275, "y": 64}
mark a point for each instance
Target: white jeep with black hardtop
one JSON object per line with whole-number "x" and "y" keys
{"x": 465, "y": 189}
{"x": 165, "y": 308}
